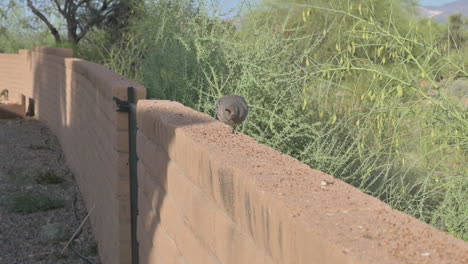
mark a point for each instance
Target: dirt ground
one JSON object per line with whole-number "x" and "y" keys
{"x": 31, "y": 166}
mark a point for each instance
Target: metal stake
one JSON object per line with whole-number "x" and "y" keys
{"x": 130, "y": 107}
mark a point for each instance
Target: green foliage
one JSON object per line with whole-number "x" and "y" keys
{"x": 30, "y": 203}
{"x": 54, "y": 232}
{"x": 12, "y": 42}
{"x": 92, "y": 248}
{"x": 452, "y": 213}
{"x": 18, "y": 176}
{"x": 48, "y": 177}
{"x": 357, "y": 89}
{"x": 457, "y": 35}
{"x": 18, "y": 31}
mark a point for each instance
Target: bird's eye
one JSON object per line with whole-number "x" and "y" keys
{"x": 227, "y": 110}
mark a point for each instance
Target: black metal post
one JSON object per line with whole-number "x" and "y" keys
{"x": 130, "y": 107}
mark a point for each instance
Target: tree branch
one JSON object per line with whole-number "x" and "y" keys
{"x": 82, "y": 2}
{"x": 80, "y": 16}
{"x": 44, "y": 19}
{"x": 57, "y": 4}
{"x": 66, "y": 6}
{"x": 99, "y": 17}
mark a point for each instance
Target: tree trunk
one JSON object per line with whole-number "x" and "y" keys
{"x": 41, "y": 16}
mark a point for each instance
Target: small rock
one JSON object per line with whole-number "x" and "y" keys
{"x": 325, "y": 183}
{"x": 425, "y": 254}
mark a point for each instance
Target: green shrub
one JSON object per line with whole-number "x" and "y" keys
{"x": 48, "y": 177}
{"x": 347, "y": 87}
{"x": 18, "y": 176}
{"x": 30, "y": 203}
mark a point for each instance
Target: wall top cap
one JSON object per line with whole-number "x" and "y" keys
{"x": 360, "y": 226}
{"x": 68, "y": 53}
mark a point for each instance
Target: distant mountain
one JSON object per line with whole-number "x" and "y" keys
{"x": 441, "y": 13}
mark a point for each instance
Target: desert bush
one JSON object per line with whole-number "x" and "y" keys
{"x": 29, "y": 203}
{"x": 347, "y": 87}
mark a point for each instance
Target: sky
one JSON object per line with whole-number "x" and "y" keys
{"x": 431, "y": 2}
{"x": 228, "y": 4}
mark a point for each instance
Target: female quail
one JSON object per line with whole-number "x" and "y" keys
{"x": 232, "y": 110}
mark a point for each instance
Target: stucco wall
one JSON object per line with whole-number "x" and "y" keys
{"x": 74, "y": 98}
{"x": 209, "y": 196}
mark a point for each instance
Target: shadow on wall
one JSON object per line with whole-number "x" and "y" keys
{"x": 74, "y": 98}
{"x": 10, "y": 109}
{"x": 153, "y": 143}
{"x": 12, "y": 105}
{"x": 49, "y": 87}
{"x": 76, "y": 104}
{"x": 16, "y": 110}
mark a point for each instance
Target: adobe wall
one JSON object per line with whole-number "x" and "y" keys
{"x": 12, "y": 76}
{"x": 209, "y": 197}
{"x": 74, "y": 98}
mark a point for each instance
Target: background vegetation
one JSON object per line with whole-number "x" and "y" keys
{"x": 366, "y": 91}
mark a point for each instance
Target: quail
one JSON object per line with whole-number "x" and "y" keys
{"x": 232, "y": 110}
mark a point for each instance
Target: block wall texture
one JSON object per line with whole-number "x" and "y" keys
{"x": 74, "y": 98}
{"x": 211, "y": 197}
{"x": 12, "y": 76}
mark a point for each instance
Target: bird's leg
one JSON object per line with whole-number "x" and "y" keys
{"x": 233, "y": 129}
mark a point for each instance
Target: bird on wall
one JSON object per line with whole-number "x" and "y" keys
{"x": 232, "y": 110}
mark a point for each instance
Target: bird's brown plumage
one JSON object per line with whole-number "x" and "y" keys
{"x": 232, "y": 110}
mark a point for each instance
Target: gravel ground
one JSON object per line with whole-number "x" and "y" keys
{"x": 28, "y": 150}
